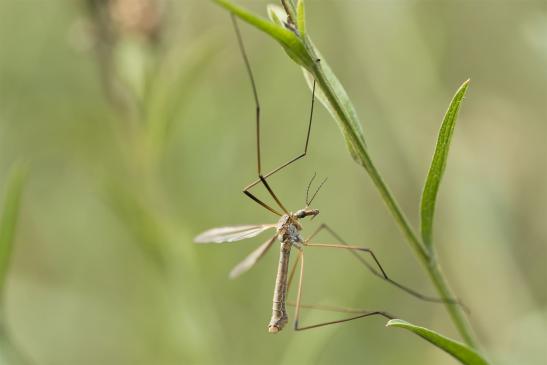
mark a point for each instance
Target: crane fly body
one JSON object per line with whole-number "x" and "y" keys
{"x": 288, "y": 230}
{"x": 287, "y": 233}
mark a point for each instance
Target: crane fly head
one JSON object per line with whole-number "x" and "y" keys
{"x": 306, "y": 212}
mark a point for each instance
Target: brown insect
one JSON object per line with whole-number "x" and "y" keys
{"x": 287, "y": 231}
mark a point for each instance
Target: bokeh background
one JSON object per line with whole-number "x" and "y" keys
{"x": 137, "y": 120}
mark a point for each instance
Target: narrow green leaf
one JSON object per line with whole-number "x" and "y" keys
{"x": 9, "y": 351}
{"x": 276, "y": 14}
{"x": 8, "y": 221}
{"x": 438, "y": 165}
{"x": 174, "y": 85}
{"x": 147, "y": 230}
{"x": 458, "y": 350}
{"x": 290, "y": 42}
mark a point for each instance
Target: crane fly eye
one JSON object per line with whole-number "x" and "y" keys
{"x": 300, "y": 214}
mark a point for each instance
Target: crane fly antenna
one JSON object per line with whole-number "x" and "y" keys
{"x": 308, "y": 189}
{"x": 308, "y": 202}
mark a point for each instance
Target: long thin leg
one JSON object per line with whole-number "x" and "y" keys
{"x": 261, "y": 177}
{"x": 365, "y": 314}
{"x": 294, "y": 159}
{"x": 257, "y": 109}
{"x": 299, "y": 291}
{"x": 253, "y": 86}
{"x": 293, "y": 271}
{"x": 380, "y": 272}
{"x": 254, "y": 198}
{"x": 361, "y": 313}
{"x": 324, "y": 226}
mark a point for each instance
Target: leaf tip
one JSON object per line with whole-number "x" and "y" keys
{"x": 395, "y": 323}
{"x": 276, "y": 14}
{"x": 464, "y": 86}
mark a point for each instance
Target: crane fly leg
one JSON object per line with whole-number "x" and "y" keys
{"x": 361, "y": 313}
{"x": 378, "y": 270}
{"x": 262, "y": 178}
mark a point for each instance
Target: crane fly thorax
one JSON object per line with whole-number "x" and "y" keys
{"x": 288, "y": 229}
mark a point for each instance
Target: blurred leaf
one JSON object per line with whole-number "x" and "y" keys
{"x": 458, "y": 350}
{"x": 438, "y": 165}
{"x": 10, "y": 213}
{"x": 132, "y": 60}
{"x": 153, "y": 229}
{"x": 9, "y": 353}
{"x": 146, "y": 229}
{"x": 176, "y": 83}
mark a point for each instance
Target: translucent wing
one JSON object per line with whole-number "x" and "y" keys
{"x": 231, "y": 234}
{"x": 253, "y": 257}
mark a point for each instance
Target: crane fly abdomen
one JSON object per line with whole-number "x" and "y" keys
{"x": 288, "y": 232}
{"x": 279, "y": 312}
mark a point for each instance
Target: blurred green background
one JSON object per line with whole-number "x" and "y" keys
{"x": 137, "y": 119}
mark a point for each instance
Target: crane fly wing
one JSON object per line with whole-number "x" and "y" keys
{"x": 252, "y": 259}
{"x": 231, "y": 234}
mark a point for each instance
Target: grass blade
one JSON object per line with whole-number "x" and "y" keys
{"x": 8, "y": 221}
{"x": 9, "y": 352}
{"x": 458, "y": 350}
{"x": 174, "y": 86}
{"x": 145, "y": 228}
{"x": 438, "y": 165}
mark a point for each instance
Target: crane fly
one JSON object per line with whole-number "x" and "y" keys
{"x": 287, "y": 232}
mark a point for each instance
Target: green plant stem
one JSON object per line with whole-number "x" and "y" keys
{"x": 458, "y": 315}
{"x": 426, "y": 257}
